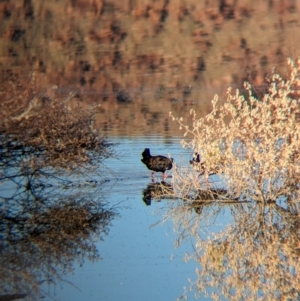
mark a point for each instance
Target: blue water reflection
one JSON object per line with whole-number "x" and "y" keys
{"x": 139, "y": 262}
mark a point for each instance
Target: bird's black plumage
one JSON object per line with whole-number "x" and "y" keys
{"x": 200, "y": 165}
{"x": 196, "y": 159}
{"x": 156, "y": 163}
{"x": 197, "y": 164}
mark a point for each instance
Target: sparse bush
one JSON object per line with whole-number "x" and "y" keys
{"x": 255, "y": 144}
{"x": 253, "y": 147}
{"x": 47, "y": 131}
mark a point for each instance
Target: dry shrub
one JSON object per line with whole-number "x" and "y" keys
{"x": 253, "y": 148}
{"x": 255, "y": 144}
{"x": 50, "y": 131}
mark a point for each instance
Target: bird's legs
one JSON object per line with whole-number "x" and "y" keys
{"x": 152, "y": 175}
{"x": 164, "y": 176}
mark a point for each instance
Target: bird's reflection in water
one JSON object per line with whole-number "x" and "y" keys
{"x": 163, "y": 190}
{"x": 157, "y": 191}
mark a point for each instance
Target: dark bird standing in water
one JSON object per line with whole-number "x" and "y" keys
{"x": 156, "y": 163}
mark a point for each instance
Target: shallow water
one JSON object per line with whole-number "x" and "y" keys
{"x": 139, "y": 260}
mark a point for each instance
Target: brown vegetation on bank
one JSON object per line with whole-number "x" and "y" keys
{"x": 124, "y": 47}
{"x": 96, "y": 43}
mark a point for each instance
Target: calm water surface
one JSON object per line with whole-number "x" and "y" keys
{"x": 139, "y": 260}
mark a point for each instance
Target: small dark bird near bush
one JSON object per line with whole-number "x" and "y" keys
{"x": 156, "y": 163}
{"x": 199, "y": 165}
